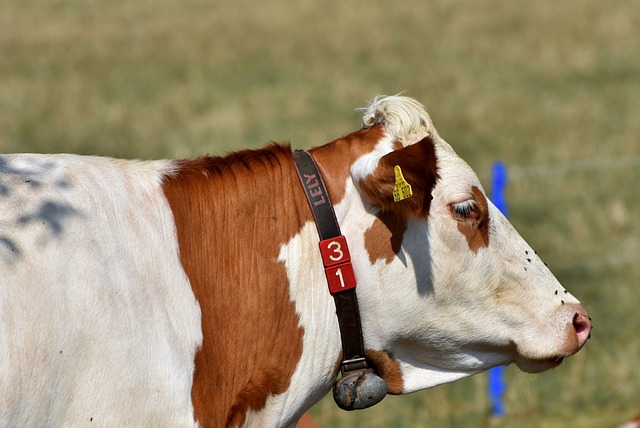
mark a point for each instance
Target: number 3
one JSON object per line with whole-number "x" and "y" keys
{"x": 337, "y": 249}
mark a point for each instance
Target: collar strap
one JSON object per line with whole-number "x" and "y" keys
{"x": 337, "y": 262}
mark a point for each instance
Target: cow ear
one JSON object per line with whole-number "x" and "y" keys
{"x": 417, "y": 164}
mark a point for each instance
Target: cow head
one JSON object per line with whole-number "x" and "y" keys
{"x": 447, "y": 287}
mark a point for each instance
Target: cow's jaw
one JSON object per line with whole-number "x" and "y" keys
{"x": 464, "y": 328}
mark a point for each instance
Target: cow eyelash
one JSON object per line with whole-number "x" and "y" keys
{"x": 463, "y": 210}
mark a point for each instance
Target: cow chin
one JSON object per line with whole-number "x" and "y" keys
{"x": 536, "y": 357}
{"x": 538, "y": 366}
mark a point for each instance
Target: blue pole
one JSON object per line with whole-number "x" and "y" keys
{"x": 499, "y": 180}
{"x": 497, "y": 385}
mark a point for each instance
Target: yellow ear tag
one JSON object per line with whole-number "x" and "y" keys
{"x": 402, "y": 189}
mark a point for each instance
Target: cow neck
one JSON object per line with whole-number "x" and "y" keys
{"x": 359, "y": 386}
{"x": 336, "y": 260}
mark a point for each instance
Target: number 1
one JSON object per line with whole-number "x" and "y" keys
{"x": 339, "y": 275}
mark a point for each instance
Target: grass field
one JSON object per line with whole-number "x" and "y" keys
{"x": 551, "y": 89}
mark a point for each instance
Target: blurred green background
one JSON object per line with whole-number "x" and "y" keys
{"x": 552, "y": 89}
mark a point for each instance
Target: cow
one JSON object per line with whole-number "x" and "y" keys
{"x": 193, "y": 292}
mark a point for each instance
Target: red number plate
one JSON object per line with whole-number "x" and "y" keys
{"x": 340, "y": 277}
{"x": 334, "y": 251}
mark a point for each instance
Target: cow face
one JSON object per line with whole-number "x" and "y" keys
{"x": 447, "y": 287}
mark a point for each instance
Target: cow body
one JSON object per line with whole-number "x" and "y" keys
{"x": 98, "y": 321}
{"x": 174, "y": 293}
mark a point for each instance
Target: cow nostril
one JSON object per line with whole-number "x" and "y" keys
{"x": 580, "y": 322}
{"x": 582, "y": 326}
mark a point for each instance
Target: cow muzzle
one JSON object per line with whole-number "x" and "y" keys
{"x": 569, "y": 334}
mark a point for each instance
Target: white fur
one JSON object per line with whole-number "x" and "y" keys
{"x": 405, "y": 120}
{"x": 98, "y": 325}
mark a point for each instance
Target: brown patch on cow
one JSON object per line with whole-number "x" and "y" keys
{"x": 232, "y": 214}
{"x": 231, "y": 219}
{"x": 418, "y": 164}
{"x": 306, "y": 421}
{"x": 387, "y": 368}
{"x": 335, "y": 158}
{"x": 384, "y": 238}
{"x": 476, "y": 226}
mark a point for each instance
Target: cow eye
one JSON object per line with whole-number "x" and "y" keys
{"x": 463, "y": 210}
